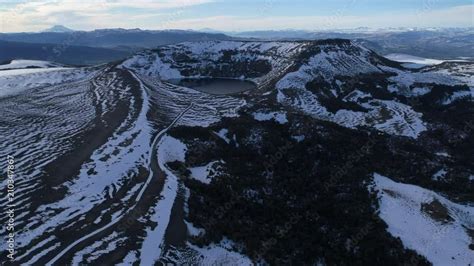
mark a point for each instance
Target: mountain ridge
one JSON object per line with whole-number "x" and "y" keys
{"x": 58, "y": 28}
{"x": 107, "y": 38}
{"x": 159, "y": 172}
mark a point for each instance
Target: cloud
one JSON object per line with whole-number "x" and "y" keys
{"x": 37, "y": 15}
{"x": 459, "y": 16}
{"x": 166, "y": 14}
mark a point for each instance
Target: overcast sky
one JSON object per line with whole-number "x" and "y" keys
{"x": 234, "y": 15}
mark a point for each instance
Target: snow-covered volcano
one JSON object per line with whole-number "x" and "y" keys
{"x": 118, "y": 165}
{"x": 334, "y": 80}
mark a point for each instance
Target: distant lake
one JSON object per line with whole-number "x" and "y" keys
{"x": 215, "y": 85}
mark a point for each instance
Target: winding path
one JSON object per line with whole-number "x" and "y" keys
{"x": 142, "y": 190}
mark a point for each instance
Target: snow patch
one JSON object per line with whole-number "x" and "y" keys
{"x": 194, "y": 231}
{"x": 223, "y": 134}
{"x": 15, "y": 81}
{"x": 279, "y": 117}
{"x": 298, "y": 138}
{"x": 442, "y": 243}
{"x": 169, "y": 150}
{"x": 439, "y": 175}
{"x": 221, "y": 254}
{"x": 201, "y": 173}
{"x": 17, "y": 64}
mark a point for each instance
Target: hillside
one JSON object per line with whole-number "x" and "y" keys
{"x": 336, "y": 156}
{"x": 66, "y": 53}
{"x": 111, "y": 38}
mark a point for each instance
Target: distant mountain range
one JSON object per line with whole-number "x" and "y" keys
{"x": 111, "y": 38}
{"x": 58, "y": 28}
{"x": 118, "y": 43}
{"x": 439, "y": 43}
{"x": 71, "y": 54}
{"x": 63, "y": 45}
